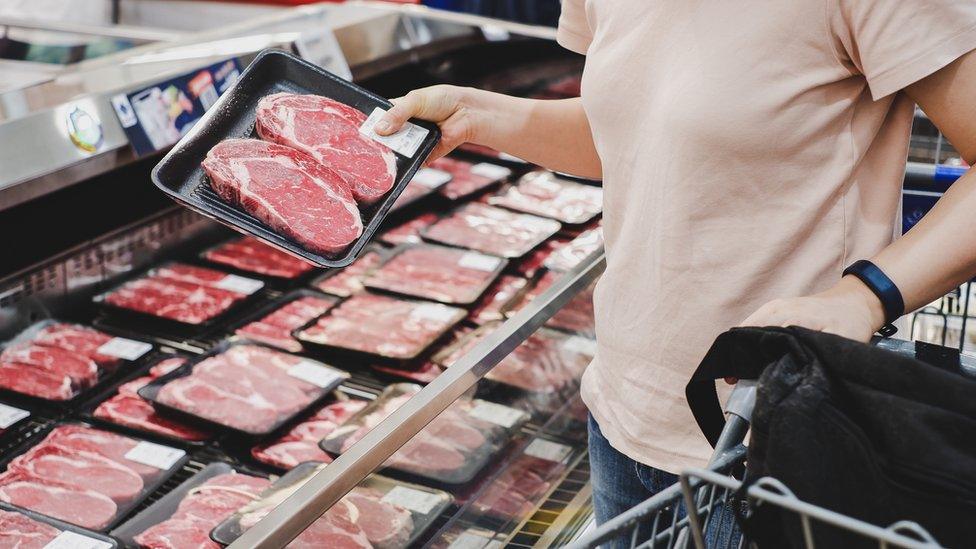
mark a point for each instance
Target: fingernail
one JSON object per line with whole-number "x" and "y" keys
{"x": 382, "y": 126}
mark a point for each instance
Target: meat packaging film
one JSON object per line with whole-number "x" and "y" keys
{"x": 546, "y": 194}
{"x": 301, "y": 442}
{"x": 380, "y": 512}
{"x": 491, "y": 230}
{"x": 85, "y": 475}
{"x": 578, "y": 249}
{"x": 181, "y": 176}
{"x": 23, "y": 528}
{"x": 349, "y": 280}
{"x": 244, "y": 388}
{"x": 273, "y": 323}
{"x": 451, "y": 450}
{"x": 248, "y": 256}
{"x": 469, "y": 178}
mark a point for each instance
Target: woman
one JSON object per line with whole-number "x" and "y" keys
{"x": 750, "y": 151}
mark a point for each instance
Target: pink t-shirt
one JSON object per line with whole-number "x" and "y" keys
{"x": 751, "y": 150}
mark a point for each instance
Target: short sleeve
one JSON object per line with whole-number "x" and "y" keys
{"x": 574, "y": 31}
{"x": 895, "y": 43}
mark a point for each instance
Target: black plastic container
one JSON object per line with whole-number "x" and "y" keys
{"x": 272, "y": 281}
{"x": 181, "y": 176}
{"x": 277, "y": 303}
{"x": 88, "y": 539}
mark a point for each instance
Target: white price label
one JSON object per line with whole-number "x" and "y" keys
{"x": 154, "y": 455}
{"x": 316, "y": 374}
{"x": 481, "y": 262}
{"x": 406, "y": 141}
{"x": 431, "y": 178}
{"x": 548, "y": 450}
{"x": 431, "y": 311}
{"x": 126, "y": 349}
{"x": 239, "y": 284}
{"x": 10, "y": 415}
{"x": 496, "y": 413}
{"x": 72, "y": 540}
{"x": 580, "y": 345}
{"x": 415, "y": 500}
{"x": 491, "y": 171}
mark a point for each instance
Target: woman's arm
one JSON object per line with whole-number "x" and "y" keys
{"x": 551, "y": 133}
{"x": 935, "y": 256}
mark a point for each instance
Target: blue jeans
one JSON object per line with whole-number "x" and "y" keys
{"x": 620, "y": 483}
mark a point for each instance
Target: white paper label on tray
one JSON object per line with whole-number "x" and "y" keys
{"x": 481, "y": 262}
{"x": 10, "y": 415}
{"x": 239, "y": 284}
{"x": 431, "y": 178}
{"x": 430, "y": 311}
{"x": 154, "y": 455}
{"x": 496, "y": 413}
{"x": 126, "y": 349}
{"x": 491, "y": 171}
{"x": 548, "y": 450}
{"x": 580, "y": 345}
{"x": 406, "y": 141}
{"x": 72, "y": 540}
{"x": 470, "y": 540}
{"x": 414, "y": 500}
{"x": 314, "y": 373}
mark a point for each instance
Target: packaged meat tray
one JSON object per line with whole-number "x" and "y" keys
{"x": 452, "y": 449}
{"x": 123, "y": 407}
{"x": 372, "y": 326}
{"x": 572, "y": 254}
{"x": 241, "y": 387}
{"x": 318, "y": 183}
{"x": 548, "y": 195}
{"x": 428, "y": 370}
{"x": 575, "y": 317}
{"x": 425, "y": 182}
{"x": 497, "y": 299}
{"x": 381, "y": 513}
{"x": 180, "y": 296}
{"x": 274, "y": 322}
{"x": 437, "y": 273}
{"x": 87, "y": 476}
{"x": 532, "y": 264}
{"x": 184, "y": 517}
{"x": 25, "y": 529}
{"x": 348, "y": 281}
{"x": 63, "y": 362}
{"x": 492, "y": 230}
{"x": 301, "y": 442}
{"x": 250, "y": 256}
{"x": 469, "y": 178}
{"x": 408, "y": 232}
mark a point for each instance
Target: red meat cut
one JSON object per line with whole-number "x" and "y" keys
{"x": 96, "y": 441}
{"x": 448, "y": 275}
{"x": 349, "y": 281}
{"x": 409, "y": 231}
{"x": 82, "y": 370}
{"x": 301, "y": 443}
{"x": 85, "y": 508}
{"x": 336, "y": 529}
{"x": 173, "y": 299}
{"x": 329, "y": 131}
{"x": 83, "y": 470}
{"x": 287, "y": 190}
{"x": 499, "y": 296}
{"x": 492, "y": 230}
{"x": 33, "y": 381}
{"x": 250, "y": 254}
{"x": 275, "y": 329}
{"x": 165, "y": 366}
{"x": 547, "y": 194}
{"x": 78, "y": 339}
{"x": 387, "y": 526}
{"x": 464, "y": 182}
{"x": 19, "y": 531}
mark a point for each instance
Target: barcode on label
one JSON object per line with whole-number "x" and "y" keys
{"x": 431, "y": 178}
{"x": 431, "y": 311}
{"x": 240, "y": 284}
{"x": 548, "y": 450}
{"x": 10, "y": 415}
{"x": 71, "y": 540}
{"x": 481, "y": 262}
{"x": 316, "y": 374}
{"x": 491, "y": 171}
{"x": 126, "y": 349}
{"x": 406, "y": 141}
{"x": 496, "y": 413}
{"x": 154, "y": 455}
{"x": 580, "y": 345}
{"x": 415, "y": 500}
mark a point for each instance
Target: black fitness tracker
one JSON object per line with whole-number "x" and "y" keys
{"x": 882, "y": 286}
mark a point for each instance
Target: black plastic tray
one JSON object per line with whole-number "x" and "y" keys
{"x": 61, "y": 525}
{"x": 272, "y": 306}
{"x": 180, "y": 175}
{"x": 375, "y": 248}
{"x": 151, "y": 390}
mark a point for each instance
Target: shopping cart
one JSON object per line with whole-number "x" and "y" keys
{"x": 699, "y": 510}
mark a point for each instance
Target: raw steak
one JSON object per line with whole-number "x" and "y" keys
{"x": 387, "y": 526}
{"x": 33, "y": 381}
{"x": 78, "y": 339}
{"x": 85, "y": 508}
{"x": 275, "y": 329}
{"x": 173, "y": 299}
{"x": 82, "y": 370}
{"x": 492, "y": 230}
{"x": 79, "y": 469}
{"x": 97, "y": 441}
{"x": 512, "y": 494}
{"x": 448, "y": 275}
{"x": 19, "y": 531}
{"x": 301, "y": 443}
{"x": 336, "y": 529}
{"x": 349, "y": 281}
{"x": 464, "y": 182}
{"x": 165, "y": 366}
{"x": 329, "y": 132}
{"x": 191, "y": 274}
{"x": 531, "y": 264}
{"x": 408, "y": 232}
{"x": 252, "y": 255}
{"x": 581, "y": 247}
{"x": 546, "y": 194}
{"x": 288, "y": 191}
{"x": 498, "y": 297}
{"x": 129, "y": 409}
{"x": 383, "y": 326}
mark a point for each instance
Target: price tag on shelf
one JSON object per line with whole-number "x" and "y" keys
{"x": 481, "y": 262}
{"x": 73, "y": 540}
{"x": 314, "y": 373}
{"x": 126, "y": 349}
{"x": 155, "y": 455}
{"x": 548, "y": 450}
{"x": 239, "y": 284}
{"x": 491, "y": 171}
{"x": 431, "y": 178}
{"x": 496, "y": 413}
{"x": 415, "y": 500}
{"x": 10, "y": 415}
{"x": 580, "y": 345}
{"x": 433, "y": 311}
{"x": 406, "y": 141}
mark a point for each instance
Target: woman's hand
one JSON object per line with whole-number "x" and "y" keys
{"x": 454, "y": 109}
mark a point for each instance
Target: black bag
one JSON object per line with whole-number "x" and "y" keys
{"x": 850, "y": 427}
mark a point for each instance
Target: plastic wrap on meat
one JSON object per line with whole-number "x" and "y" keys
{"x": 492, "y": 230}
{"x": 30, "y": 380}
{"x": 301, "y": 443}
{"x": 82, "y": 370}
{"x": 77, "y": 339}
{"x": 576, "y": 316}
{"x": 251, "y": 255}
{"x": 85, "y": 508}
{"x": 448, "y": 275}
{"x": 173, "y": 299}
{"x": 467, "y": 180}
{"x": 408, "y": 232}
{"x": 349, "y": 281}
{"x": 548, "y": 195}
{"x": 275, "y": 329}
{"x": 19, "y": 531}
{"x": 581, "y": 247}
